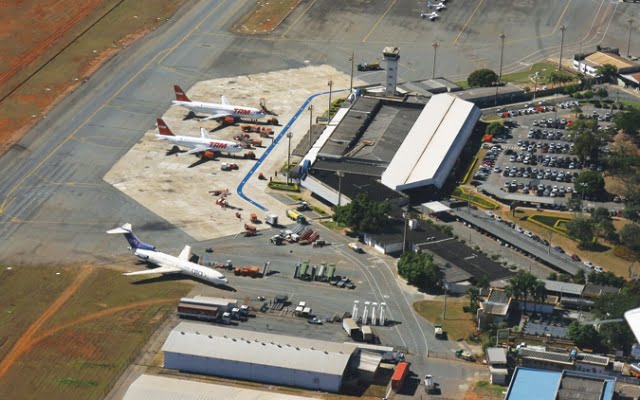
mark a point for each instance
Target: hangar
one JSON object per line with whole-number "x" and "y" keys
{"x": 255, "y": 356}
{"x": 164, "y": 388}
{"x": 389, "y": 149}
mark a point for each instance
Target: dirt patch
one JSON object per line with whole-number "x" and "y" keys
{"x": 74, "y": 345}
{"x": 64, "y": 45}
{"x": 265, "y": 16}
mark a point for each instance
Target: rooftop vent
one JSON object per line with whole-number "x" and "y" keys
{"x": 182, "y": 332}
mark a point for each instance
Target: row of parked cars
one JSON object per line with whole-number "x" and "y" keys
{"x": 528, "y": 109}
{"x": 539, "y": 189}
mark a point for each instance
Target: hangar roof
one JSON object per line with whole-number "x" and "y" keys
{"x": 164, "y": 388}
{"x": 421, "y": 158}
{"x": 299, "y": 353}
{"x": 601, "y": 58}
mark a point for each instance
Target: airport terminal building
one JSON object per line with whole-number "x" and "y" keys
{"x": 389, "y": 149}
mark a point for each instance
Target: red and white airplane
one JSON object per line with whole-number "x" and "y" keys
{"x": 217, "y": 111}
{"x": 203, "y": 145}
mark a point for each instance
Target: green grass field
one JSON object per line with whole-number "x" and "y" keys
{"x": 555, "y": 223}
{"x": 82, "y": 349}
{"x": 543, "y": 68}
{"x": 458, "y": 325}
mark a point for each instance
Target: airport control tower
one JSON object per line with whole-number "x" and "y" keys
{"x": 391, "y": 55}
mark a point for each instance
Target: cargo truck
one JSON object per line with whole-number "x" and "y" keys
{"x": 271, "y": 219}
{"x": 296, "y": 216}
{"x": 399, "y": 374}
{"x": 351, "y": 327}
{"x": 252, "y": 271}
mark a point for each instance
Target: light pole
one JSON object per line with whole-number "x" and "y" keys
{"x": 330, "y": 83}
{"x": 289, "y": 136}
{"x": 630, "y": 21}
{"x": 310, "y": 108}
{"x": 502, "y": 36}
{"x": 340, "y": 175}
{"x": 583, "y": 185}
{"x": 352, "y": 58}
{"x": 535, "y": 88}
{"x": 435, "y": 54}
{"x": 404, "y": 236}
{"x": 549, "y": 247}
{"x": 562, "y": 29}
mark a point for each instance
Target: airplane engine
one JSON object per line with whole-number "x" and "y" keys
{"x": 229, "y": 120}
{"x": 146, "y": 246}
{"x": 209, "y": 154}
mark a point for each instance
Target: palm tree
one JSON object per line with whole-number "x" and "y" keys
{"x": 607, "y": 71}
{"x": 474, "y": 295}
{"x": 538, "y": 292}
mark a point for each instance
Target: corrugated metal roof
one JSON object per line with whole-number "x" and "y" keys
{"x": 563, "y": 287}
{"x": 163, "y": 388}
{"x": 497, "y": 355}
{"x": 430, "y": 145}
{"x": 289, "y": 352}
{"x": 601, "y": 58}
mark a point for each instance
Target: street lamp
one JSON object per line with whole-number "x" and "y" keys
{"x": 310, "y": 108}
{"x": 340, "y": 175}
{"x": 562, "y": 29}
{"x": 330, "y": 83}
{"x": 289, "y": 136}
{"x": 404, "y": 236}
{"x": 583, "y": 185}
{"x": 535, "y": 88}
{"x": 630, "y": 21}
{"x": 352, "y": 58}
{"x": 502, "y": 36}
{"x": 435, "y": 53}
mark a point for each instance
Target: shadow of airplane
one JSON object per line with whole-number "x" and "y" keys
{"x": 180, "y": 277}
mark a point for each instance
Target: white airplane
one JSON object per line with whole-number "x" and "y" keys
{"x": 198, "y": 145}
{"x": 432, "y": 15}
{"x": 166, "y": 263}
{"x": 218, "y": 111}
{"x": 438, "y": 6}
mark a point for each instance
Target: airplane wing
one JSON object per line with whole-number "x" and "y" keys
{"x": 195, "y": 150}
{"x": 185, "y": 254}
{"x": 216, "y": 116}
{"x": 633, "y": 319}
{"x": 159, "y": 270}
{"x": 224, "y": 101}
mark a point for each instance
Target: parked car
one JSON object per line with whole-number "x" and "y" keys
{"x": 575, "y": 257}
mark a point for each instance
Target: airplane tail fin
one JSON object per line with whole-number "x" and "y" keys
{"x": 133, "y": 240}
{"x": 180, "y": 94}
{"x": 225, "y": 101}
{"x": 163, "y": 129}
{"x": 204, "y": 134}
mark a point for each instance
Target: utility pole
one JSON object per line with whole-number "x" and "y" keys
{"x": 444, "y": 311}
{"x": 352, "y": 58}
{"x": 310, "y": 108}
{"x": 502, "y": 36}
{"x": 562, "y": 29}
{"x": 289, "y": 136}
{"x": 435, "y": 53}
{"x": 630, "y": 21}
{"x": 330, "y": 83}
{"x": 340, "y": 175}
{"x": 549, "y": 247}
{"x": 404, "y": 236}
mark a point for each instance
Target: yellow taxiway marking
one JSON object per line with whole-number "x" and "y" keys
{"x": 373, "y": 28}
{"x": 555, "y": 29}
{"x": 298, "y": 19}
{"x": 475, "y": 10}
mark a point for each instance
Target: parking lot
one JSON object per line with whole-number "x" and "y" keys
{"x": 535, "y": 156}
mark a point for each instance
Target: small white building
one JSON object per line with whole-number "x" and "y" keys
{"x": 255, "y": 356}
{"x": 497, "y": 362}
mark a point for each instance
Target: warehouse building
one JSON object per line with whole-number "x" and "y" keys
{"x": 536, "y": 384}
{"x": 164, "y": 388}
{"x": 261, "y": 357}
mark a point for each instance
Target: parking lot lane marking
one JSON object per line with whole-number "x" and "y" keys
{"x": 298, "y": 19}
{"x": 475, "y": 10}
{"x": 555, "y": 29}
{"x": 373, "y": 28}
{"x": 188, "y": 34}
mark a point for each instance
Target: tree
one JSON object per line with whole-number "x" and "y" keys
{"x": 582, "y": 230}
{"x": 602, "y": 93}
{"x": 552, "y": 276}
{"x": 482, "y": 78}
{"x": 607, "y": 71}
{"x": 538, "y": 292}
{"x": 590, "y": 183}
{"x": 630, "y": 236}
{"x": 586, "y": 145}
{"x": 584, "y": 335}
{"x": 483, "y": 282}
{"x": 495, "y": 129}
{"x": 420, "y": 270}
{"x": 574, "y": 203}
{"x": 603, "y": 224}
{"x": 364, "y": 214}
{"x": 628, "y": 121}
{"x": 474, "y": 299}
{"x": 522, "y": 286}
{"x": 580, "y": 277}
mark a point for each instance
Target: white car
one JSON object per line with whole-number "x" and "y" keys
{"x": 488, "y": 214}
{"x": 528, "y": 234}
{"x": 588, "y": 264}
{"x": 497, "y": 218}
{"x": 598, "y": 269}
{"x": 518, "y": 229}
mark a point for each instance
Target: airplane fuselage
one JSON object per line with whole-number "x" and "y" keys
{"x": 187, "y": 267}
{"x": 236, "y": 112}
{"x": 193, "y": 142}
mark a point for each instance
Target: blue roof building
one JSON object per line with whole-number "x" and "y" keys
{"x": 537, "y": 384}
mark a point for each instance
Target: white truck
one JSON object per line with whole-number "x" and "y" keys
{"x": 271, "y": 219}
